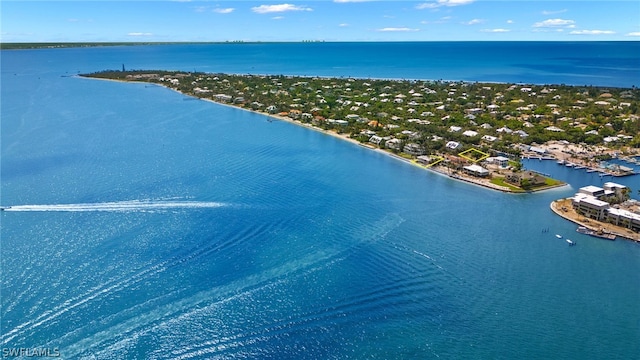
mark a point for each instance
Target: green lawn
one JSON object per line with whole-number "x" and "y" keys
{"x": 549, "y": 182}
{"x": 500, "y": 181}
{"x": 552, "y": 182}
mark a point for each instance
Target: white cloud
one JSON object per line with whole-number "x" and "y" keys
{"x": 223, "y": 11}
{"x": 474, "y": 22}
{"x": 277, "y": 18}
{"x": 440, "y": 3}
{"x": 265, "y": 9}
{"x": 350, "y": 1}
{"x": 592, "y": 32}
{"x": 550, "y": 23}
{"x": 636, "y": 33}
{"x": 442, "y": 20}
{"x": 509, "y": 21}
{"x": 344, "y": 25}
{"x": 552, "y": 12}
{"x": 398, "y": 29}
{"x": 139, "y": 34}
{"x": 495, "y": 30}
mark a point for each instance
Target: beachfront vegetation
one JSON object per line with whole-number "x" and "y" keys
{"x": 413, "y": 117}
{"x": 426, "y": 112}
{"x": 57, "y": 45}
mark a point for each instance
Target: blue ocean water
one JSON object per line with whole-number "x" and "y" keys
{"x": 153, "y": 227}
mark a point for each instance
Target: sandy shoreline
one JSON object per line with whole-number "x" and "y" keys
{"x": 437, "y": 170}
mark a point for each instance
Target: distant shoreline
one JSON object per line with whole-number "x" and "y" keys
{"x": 65, "y": 45}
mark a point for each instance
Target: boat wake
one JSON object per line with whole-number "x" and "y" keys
{"x": 120, "y": 206}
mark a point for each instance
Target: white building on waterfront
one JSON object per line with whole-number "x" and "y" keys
{"x": 590, "y": 202}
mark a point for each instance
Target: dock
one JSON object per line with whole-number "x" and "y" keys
{"x": 564, "y": 209}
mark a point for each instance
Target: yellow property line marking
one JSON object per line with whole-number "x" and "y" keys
{"x": 484, "y": 155}
{"x": 435, "y": 162}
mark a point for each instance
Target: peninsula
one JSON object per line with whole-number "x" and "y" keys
{"x": 474, "y": 132}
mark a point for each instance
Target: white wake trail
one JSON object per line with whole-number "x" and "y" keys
{"x": 120, "y": 206}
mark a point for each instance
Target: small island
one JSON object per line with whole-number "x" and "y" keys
{"x": 473, "y": 132}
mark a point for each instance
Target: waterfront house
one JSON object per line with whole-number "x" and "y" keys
{"x": 295, "y": 114}
{"x": 393, "y": 144}
{"x": 538, "y": 150}
{"x": 424, "y": 159}
{"x": 222, "y": 97}
{"x": 525, "y": 178}
{"x": 375, "y": 139}
{"x": 476, "y": 170}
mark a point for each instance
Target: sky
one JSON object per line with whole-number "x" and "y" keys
{"x": 319, "y": 20}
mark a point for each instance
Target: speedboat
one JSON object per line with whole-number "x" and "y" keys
{"x": 571, "y": 243}
{"x": 559, "y": 236}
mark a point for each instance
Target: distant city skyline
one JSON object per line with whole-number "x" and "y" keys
{"x": 328, "y": 20}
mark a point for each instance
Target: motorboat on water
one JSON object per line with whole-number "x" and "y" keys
{"x": 571, "y": 243}
{"x": 559, "y": 236}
